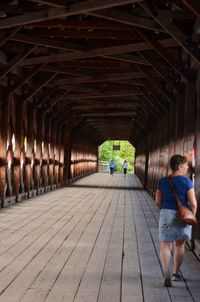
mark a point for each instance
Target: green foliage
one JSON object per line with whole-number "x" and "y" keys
{"x": 127, "y": 151}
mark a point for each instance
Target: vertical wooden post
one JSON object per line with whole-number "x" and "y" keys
{"x": 189, "y": 125}
{"x": 51, "y": 155}
{"x": 56, "y": 153}
{"x": 4, "y": 115}
{"x": 172, "y": 130}
{"x": 180, "y": 121}
{"x": 67, "y": 156}
{"x": 18, "y": 131}
{"x": 45, "y": 156}
{"x": 29, "y": 133}
{"x": 61, "y": 155}
{"x": 38, "y": 153}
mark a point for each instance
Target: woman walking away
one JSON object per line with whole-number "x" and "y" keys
{"x": 172, "y": 231}
{"x": 125, "y": 167}
{"x": 112, "y": 167}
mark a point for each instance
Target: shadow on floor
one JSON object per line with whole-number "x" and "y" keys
{"x": 107, "y": 187}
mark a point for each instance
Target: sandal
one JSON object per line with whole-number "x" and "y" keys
{"x": 177, "y": 277}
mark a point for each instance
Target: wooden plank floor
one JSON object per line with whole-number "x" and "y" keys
{"x": 94, "y": 241}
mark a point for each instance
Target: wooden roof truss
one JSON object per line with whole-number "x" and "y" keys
{"x": 111, "y": 67}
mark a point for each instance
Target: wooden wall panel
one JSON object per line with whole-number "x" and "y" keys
{"x": 29, "y": 134}
{"x": 84, "y": 154}
{"x": 180, "y": 120}
{"x": 4, "y": 119}
{"x": 18, "y": 132}
{"x": 196, "y": 229}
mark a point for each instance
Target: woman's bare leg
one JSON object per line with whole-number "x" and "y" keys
{"x": 179, "y": 252}
{"x": 165, "y": 255}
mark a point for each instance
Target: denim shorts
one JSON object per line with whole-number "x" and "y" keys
{"x": 171, "y": 228}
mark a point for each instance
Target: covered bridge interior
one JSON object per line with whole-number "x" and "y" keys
{"x": 76, "y": 73}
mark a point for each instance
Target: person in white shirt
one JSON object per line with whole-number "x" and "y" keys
{"x": 125, "y": 167}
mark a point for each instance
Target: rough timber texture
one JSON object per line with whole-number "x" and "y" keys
{"x": 93, "y": 241}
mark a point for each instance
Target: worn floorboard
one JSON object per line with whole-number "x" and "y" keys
{"x": 96, "y": 241}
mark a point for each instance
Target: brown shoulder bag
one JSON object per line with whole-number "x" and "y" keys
{"x": 185, "y": 213}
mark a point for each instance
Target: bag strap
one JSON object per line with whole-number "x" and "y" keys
{"x": 174, "y": 191}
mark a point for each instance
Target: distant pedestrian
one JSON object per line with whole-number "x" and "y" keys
{"x": 112, "y": 167}
{"x": 125, "y": 167}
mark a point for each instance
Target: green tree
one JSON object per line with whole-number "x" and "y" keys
{"x": 126, "y": 151}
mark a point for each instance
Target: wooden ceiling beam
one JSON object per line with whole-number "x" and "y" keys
{"x": 53, "y": 3}
{"x": 129, "y": 19}
{"x": 156, "y": 105}
{"x": 193, "y": 6}
{"x": 130, "y": 58}
{"x": 164, "y": 54}
{"x": 28, "y": 75}
{"x": 84, "y": 24}
{"x": 46, "y": 97}
{"x": 116, "y": 114}
{"x": 83, "y": 89}
{"x": 106, "y": 106}
{"x": 56, "y": 101}
{"x": 112, "y": 94}
{"x": 37, "y": 88}
{"x": 35, "y": 40}
{"x": 149, "y": 103}
{"x": 104, "y": 78}
{"x": 8, "y": 36}
{"x": 16, "y": 61}
{"x": 173, "y": 30}
{"x": 119, "y": 128}
{"x": 171, "y": 97}
{"x": 54, "y": 13}
{"x": 161, "y": 104}
{"x": 106, "y": 51}
{"x": 131, "y": 83}
{"x": 65, "y": 71}
{"x": 155, "y": 64}
{"x": 67, "y": 34}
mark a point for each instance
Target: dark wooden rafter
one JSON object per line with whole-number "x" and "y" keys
{"x": 104, "y": 107}
{"x": 27, "y": 76}
{"x": 83, "y": 24}
{"x": 37, "y": 88}
{"x": 56, "y": 100}
{"x": 112, "y": 94}
{"x": 111, "y": 67}
{"x": 110, "y": 77}
{"x": 173, "y": 30}
{"x": 16, "y": 60}
{"x": 35, "y": 40}
{"x": 129, "y": 19}
{"x": 129, "y": 58}
{"x": 53, "y": 3}
{"x": 174, "y": 83}
{"x": 152, "y": 103}
{"x": 6, "y": 37}
{"x": 46, "y": 97}
{"x": 170, "y": 95}
{"x": 165, "y": 55}
{"x": 53, "y": 13}
{"x": 106, "y": 51}
{"x": 193, "y": 6}
{"x": 81, "y": 35}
